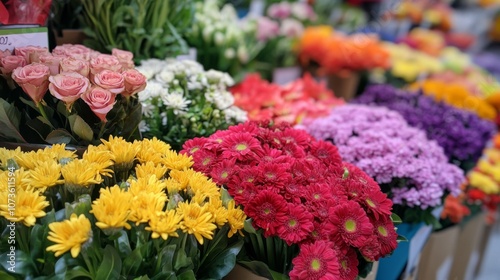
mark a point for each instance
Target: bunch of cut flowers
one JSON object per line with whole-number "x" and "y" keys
{"x": 334, "y": 52}
{"x": 73, "y": 95}
{"x": 463, "y": 135}
{"x": 279, "y": 31}
{"x": 183, "y": 101}
{"x": 301, "y": 98}
{"x": 411, "y": 169}
{"x": 222, "y": 42}
{"x": 125, "y": 209}
{"x": 311, "y": 215}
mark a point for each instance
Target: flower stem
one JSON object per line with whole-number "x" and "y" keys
{"x": 101, "y": 131}
{"x": 89, "y": 264}
{"x": 42, "y": 111}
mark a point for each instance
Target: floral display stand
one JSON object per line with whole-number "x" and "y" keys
{"x": 70, "y": 36}
{"x": 437, "y": 255}
{"x": 467, "y": 253}
{"x": 344, "y": 86}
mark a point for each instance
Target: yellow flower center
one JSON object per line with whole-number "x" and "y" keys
{"x": 267, "y": 211}
{"x": 350, "y": 225}
{"x": 195, "y": 149}
{"x": 344, "y": 264}
{"x": 370, "y": 203}
{"x": 241, "y": 147}
{"x": 292, "y": 223}
{"x": 382, "y": 231}
{"x": 317, "y": 196}
{"x": 315, "y": 265}
{"x": 224, "y": 174}
{"x": 206, "y": 161}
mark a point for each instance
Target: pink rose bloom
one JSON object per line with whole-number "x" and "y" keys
{"x": 74, "y": 65}
{"x": 126, "y": 58}
{"x": 61, "y": 50}
{"x": 104, "y": 62}
{"x": 11, "y": 62}
{"x": 78, "y": 52}
{"x": 110, "y": 80}
{"x": 134, "y": 82}
{"x": 303, "y": 11}
{"x": 33, "y": 79}
{"x": 52, "y": 62}
{"x": 100, "y": 101}
{"x": 68, "y": 87}
{"x": 280, "y": 10}
{"x": 5, "y": 53}
{"x": 266, "y": 29}
{"x": 30, "y": 53}
{"x": 291, "y": 28}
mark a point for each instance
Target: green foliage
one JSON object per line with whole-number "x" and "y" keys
{"x": 149, "y": 29}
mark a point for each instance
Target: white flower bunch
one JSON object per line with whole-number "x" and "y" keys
{"x": 182, "y": 101}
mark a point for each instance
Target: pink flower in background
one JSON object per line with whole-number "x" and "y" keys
{"x": 291, "y": 28}
{"x": 33, "y": 79}
{"x": 267, "y": 29}
{"x": 279, "y": 10}
{"x": 110, "y": 80}
{"x": 53, "y": 62}
{"x": 75, "y": 65}
{"x": 10, "y": 62}
{"x": 5, "y": 53}
{"x": 126, "y": 58}
{"x": 104, "y": 62}
{"x": 68, "y": 87}
{"x": 78, "y": 52}
{"x": 30, "y": 53}
{"x": 134, "y": 82}
{"x": 303, "y": 11}
{"x": 100, "y": 101}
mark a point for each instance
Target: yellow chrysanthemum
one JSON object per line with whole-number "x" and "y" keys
{"x": 31, "y": 159}
{"x": 196, "y": 220}
{"x": 235, "y": 218}
{"x": 483, "y": 182}
{"x": 18, "y": 178}
{"x": 490, "y": 169}
{"x": 201, "y": 188}
{"x": 44, "y": 175}
{"x": 150, "y": 168}
{"x": 176, "y": 161}
{"x": 145, "y": 205}
{"x": 102, "y": 158}
{"x": 152, "y": 150}
{"x": 6, "y": 154}
{"x": 164, "y": 224}
{"x": 181, "y": 177}
{"x": 112, "y": 209}
{"x": 219, "y": 212}
{"x": 146, "y": 184}
{"x": 173, "y": 186}
{"x": 28, "y": 206}
{"x": 58, "y": 152}
{"x": 124, "y": 152}
{"x": 80, "y": 176}
{"x": 69, "y": 235}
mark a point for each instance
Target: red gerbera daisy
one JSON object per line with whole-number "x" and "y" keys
{"x": 326, "y": 152}
{"x": 240, "y": 146}
{"x": 204, "y": 160}
{"x": 315, "y": 261}
{"x": 376, "y": 203}
{"x": 371, "y": 251}
{"x": 268, "y": 211}
{"x": 321, "y": 231}
{"x": 318, "y": 193}
{"x": 386, "y": 234}
{"x": 293, "y": 191}
{"x": 249, "y": 127}
{"x": 297, "y": 226}
{"x": 243, "y": 193}
{"x": 273, "y": 174}
{"x": 348, "y": 265}
{"x": 296, "y": 136}
{"x": 193, "y": 145}
{"x": 352, "y": 224}
{"x": 223, "y": 171}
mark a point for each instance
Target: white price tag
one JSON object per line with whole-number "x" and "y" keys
{"x": 11, "y": 38}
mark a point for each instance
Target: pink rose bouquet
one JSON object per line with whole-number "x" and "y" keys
{"x": 74, "y": 95}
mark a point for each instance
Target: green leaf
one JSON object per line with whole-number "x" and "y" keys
{"x": 396, "y": 219}
{"x": 226, "y": 197}
{"x": 181, "y": 260}
{"x": 132, "y": 121}
{"x": 5, "y": 276}
{"x": 168, "y": 275}
{"x": 248, "y": 227}
{"x": 133, "y": 261}
{"x": 59, "y": 136}
{"x": 401, "y": 239}
{"x": 81, "y": 128}
{"x": 187, "y": 275}
{"x": 10, "y": 118}
{"x": 258, "y": 268}
{"x": 111, "y": 265}
{"x": 223, "y": 262}
{"x": 167, "y": 256}
{"x": 23, "y": 264}
{"x": 124, "y": 244}
{"x": 77, "y": 273}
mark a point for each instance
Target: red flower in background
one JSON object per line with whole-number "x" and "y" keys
{"x": 25, "y": 12}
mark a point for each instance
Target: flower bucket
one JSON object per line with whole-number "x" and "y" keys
{"x": 28, "y": 147}
{"x": 285, "y": 75}
{"x": 437, "y": 255}
{"x": 467, "y": 251}
{"x": 70, "y": 36}
{"x": 240, "y": 273}
{"x": 373, "y": 274}
{"x": 405, "y": 258}
{"x": 483, "y": 244}
{"x": 344, "y": 86}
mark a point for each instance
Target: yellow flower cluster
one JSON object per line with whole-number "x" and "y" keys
{"x": 486, "y": 175}
{"x": 456, "y": 95}
{"x": 409, "y": 64}
{"x": 162, "y": 192}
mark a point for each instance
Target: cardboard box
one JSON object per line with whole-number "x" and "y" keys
{"x": 467, "y": 251}
{"x": 483, "y": 243}
{"x": 437, "y": 256}
{"x": 241, "y": 273}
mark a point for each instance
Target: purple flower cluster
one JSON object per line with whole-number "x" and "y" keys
{"x": 381, "y": 143}
{"x": 462, "y": 134}
{"x": 489, "y": 61}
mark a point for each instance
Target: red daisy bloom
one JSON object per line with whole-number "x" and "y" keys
{"x": 223, "y": 171}
{"x": 293, "y": 150}
{"x": 348, "y": 265}
{"x": 376, "y": 203}
{"x": 296, "y": 136}
{"x": 193, "y": 145}
{"x": 273, "y": 174}
{"x": 352, "y": 224}
{"x": 292, "y": 193}
{"x": 321, "y": 231}
{"x": 268, "y": 211}
{"x": 326, "y": 152}
{"x": 297, "y": 226}
{"x": 240, "y": 146}
{"x": 371, "y": 251}
{"x": 316, "y": 261}
{"x": 243, "y": 193}
{"x": 386, "y": 234}
{"x": 318, "y": 193}
{"x": 249, "y": 127}
{"x": 205, "y": 160}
